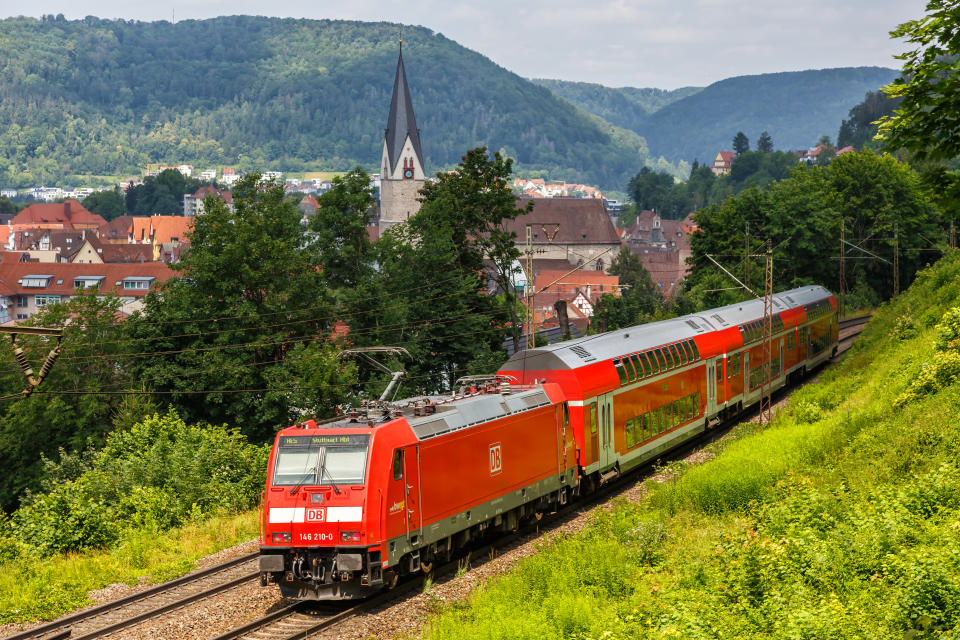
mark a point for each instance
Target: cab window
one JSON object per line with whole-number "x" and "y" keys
{"x": 397, "y": 464}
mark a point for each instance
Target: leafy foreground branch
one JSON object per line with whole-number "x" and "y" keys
{"x": 840, "y": 520}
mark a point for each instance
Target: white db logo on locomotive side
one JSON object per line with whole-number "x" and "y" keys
{"x": 315, "y": 514}
{"x": 496, "y": 459}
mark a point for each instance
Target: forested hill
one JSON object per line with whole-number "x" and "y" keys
{"x": 105, "y": 97}
{"x": 627, "y": 107}
{"x": 795, "y": 108}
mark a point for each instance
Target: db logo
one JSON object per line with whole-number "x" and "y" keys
{"x": 315, "y": 514}
{"x": 496, "y": 459}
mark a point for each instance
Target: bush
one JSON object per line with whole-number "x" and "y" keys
{"x": 157, "y": 475}
{"x": 944, "y": 370}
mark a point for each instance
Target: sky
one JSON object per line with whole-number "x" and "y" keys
{"x": 637, "y": 43}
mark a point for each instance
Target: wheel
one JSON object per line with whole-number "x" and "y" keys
{"x": 390, "y": 578}
{"x": 426, "y": 567}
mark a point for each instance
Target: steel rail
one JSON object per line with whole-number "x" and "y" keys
{"x": 113, "y": 605}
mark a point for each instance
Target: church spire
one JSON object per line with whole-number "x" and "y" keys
{"x": 401, "y": 123}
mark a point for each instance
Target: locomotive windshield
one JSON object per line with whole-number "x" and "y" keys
{"x": 316, "y": 460}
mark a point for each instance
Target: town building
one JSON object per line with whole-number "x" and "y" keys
{"x": 663, "y": 247}
{"x": 402, "y": 169}
{"x": 193, "y": 202}
{"x": 722, "y": 163}
{"x": 577, "y": 230}
{"x": 27, "y": 287}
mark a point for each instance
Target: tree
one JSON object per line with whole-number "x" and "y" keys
{"x": 860, "y": 129}
{"x": 741, "y": 144}
{"x": 109, "y": 204}
{"x": 452, "y": 323}
{"x": 66, "y": 410}
{"x": 638, "y": 302}
{"x": 926, "y": 121}
{"x": 339, "y": 230}
{"x": 249, "y": 296}
{"x": 649, "y": 189}
{"x": 765, "y": 143}
{"x": 7, "y": 207}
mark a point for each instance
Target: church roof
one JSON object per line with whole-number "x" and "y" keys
{"x": 401, "y": 122}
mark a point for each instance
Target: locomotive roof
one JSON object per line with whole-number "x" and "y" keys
{"x": 596, "y": 348}
{"x": 476, "y": 409}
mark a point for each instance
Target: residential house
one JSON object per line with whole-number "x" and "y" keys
{"x": 68, "y": 214}
{"x": 193, "y": 202}
{"x": 577, "y": 230}
{"x": 27, "y": 287}
{"x": 722, "y": 163}
{"x": 307, "y": 207}
{"x": 663, "y": 247}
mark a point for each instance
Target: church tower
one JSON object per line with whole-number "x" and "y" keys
{"x": 401, "y": 167}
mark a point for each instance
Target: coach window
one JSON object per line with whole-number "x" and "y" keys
{"x": 696, "y": 351}
{"x": 655, "y": 366}
{"x": 629, "y": 367}
{"x": 684, "y": 347}
{"x": 676, "y": 412}
{"x": 672, "y": 349}
{"x": 620, "y": 370}
{"x": 629, "y": 432}
{"x": 397, "y": 464}
{"x": 566, "y": 415}
{"x": 593, "y": 417}
{"x": 681, "y": 352}
{"x": 638, "y": 365}
{"x": 667, "y": 359}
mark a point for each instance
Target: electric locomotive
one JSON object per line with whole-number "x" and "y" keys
{"x": 636, "y": 393}
{"x": 354, "y": 503}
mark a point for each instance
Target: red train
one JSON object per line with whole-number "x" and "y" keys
{"x": 353, "y": 503}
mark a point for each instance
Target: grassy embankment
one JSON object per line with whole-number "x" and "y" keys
{"x": 41, "y": 589}
{"x": 839, "y": 520}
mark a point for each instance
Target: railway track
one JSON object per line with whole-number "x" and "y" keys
{"x": 304, "y": 619}
{"x": 133, "y": 609}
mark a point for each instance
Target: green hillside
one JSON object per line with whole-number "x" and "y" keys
{"x": 626, "y": 107}
{"x": 838, "y": 520}
{"x": 105, "y": 97}
{"x": 795, "y": 108}
{"x": 689, "y": 124}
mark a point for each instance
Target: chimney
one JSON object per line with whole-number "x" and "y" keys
{"x": 561, "y": 308}
{"x": 66, "y": 209}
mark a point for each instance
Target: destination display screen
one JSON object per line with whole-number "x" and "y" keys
{"x": 339, "y": 440}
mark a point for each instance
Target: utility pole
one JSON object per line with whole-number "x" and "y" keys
{"x": 766, "y": 412}
{"x": 843, "y": 268}
{"x": 896, "y": 260}
{"x": 531, "y": 341}
{"x": 746, "y": 254}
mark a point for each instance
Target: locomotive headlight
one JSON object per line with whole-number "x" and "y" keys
{"x": 350, "y": 536}
{"x": 280, "y": 536}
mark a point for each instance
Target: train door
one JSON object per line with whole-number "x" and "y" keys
{"x": 411, "y": 473}
{"x": 563, "y": 424}
{"x": 593, "y": 423}
{"x": 746, "y": 375}
{"x": 712, "y": 386}
{"x": 607, "y": 454}
{"x": 780, "y": 366}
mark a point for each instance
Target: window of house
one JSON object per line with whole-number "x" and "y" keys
{"x": 21, "y": 302}
{"x": 36, "y": 282}
{"x": 140, "y": 285}
{"x": 43, "y": 300}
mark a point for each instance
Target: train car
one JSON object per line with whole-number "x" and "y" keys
{"x": 352, "y": 504}
{"x": 638, "y": 392}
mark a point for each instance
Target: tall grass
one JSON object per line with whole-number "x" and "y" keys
{"x": 839, "y": 520}
{"x": 36, "y": 589}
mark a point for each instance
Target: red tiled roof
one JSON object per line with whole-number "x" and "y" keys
{"x": 580, "y": 220}
{"x": 68, "y": 214}
{"x": 64, "y": 273}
